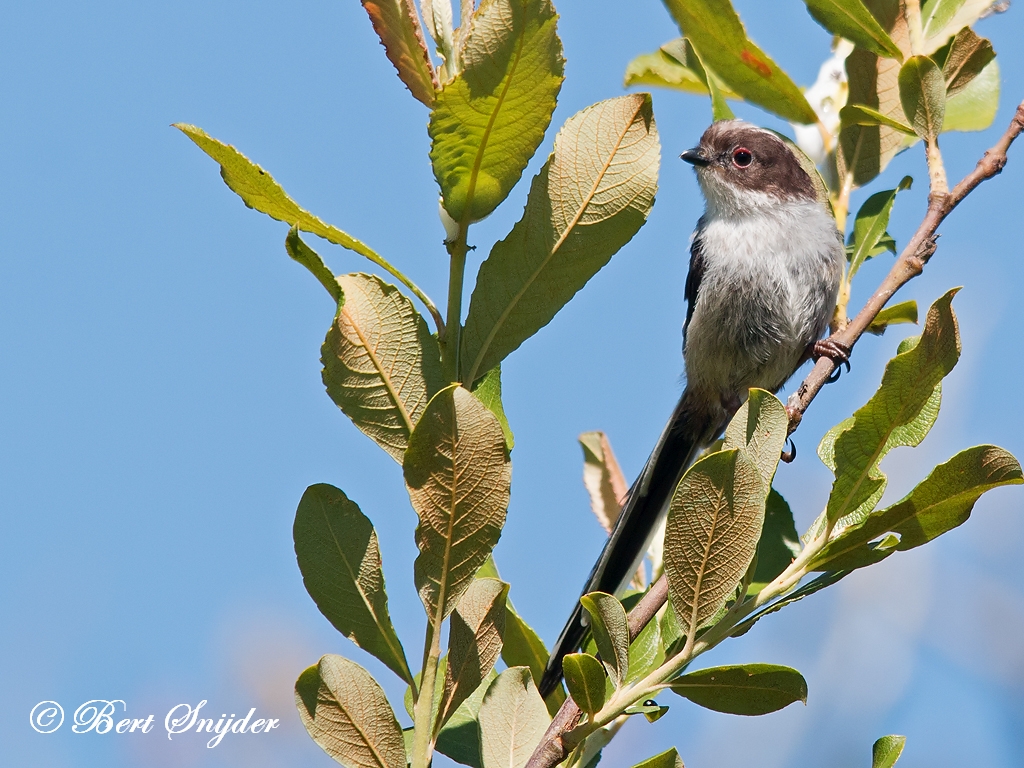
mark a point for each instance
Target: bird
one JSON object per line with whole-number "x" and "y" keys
{"x": 766, "y": 261}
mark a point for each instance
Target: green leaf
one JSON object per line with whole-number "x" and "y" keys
{"x": 966, "y": 56}
{"x": 974, "y": 108}
{"x": 523, "y": 647}
{"x": 941, "y": 19}
{"x": 585, "y": 679}
{"x": 815, "y": 585}
{"x": 667, "y": 759}
{"x": 347, "y": 714}
{"x": 339, "y": 558}
{"x": 870, "y": 225}
{"x": 852, "y": 20}
{"x": 717, "y": 34}
{"x": 459, "y": 739}
{"x": 645, "y": 652}
{"x": 260, "y": 192}
{"x": 904, "y": 312}
{"x": 474, "y": 641}
{"x": 311, "y": 260}
{"x": 398, "y": 27}
{"x": 719, "y": 107}
{"x": 943, "y": 501}
{"x": 900, "y": 413}
{"x": 611, "y": 633}
{"x": 381, "y": 364}
{"x": 778, "y": 545}
{"x": 759, "y": 428}
{"x": 923, "y": 95}
{"x": 603, "y": 478}
{"x": 488, "y": 122}
{"x": 714, "y": 523}
{"x": 512, "y": 719}
{"x": 458, "y": 475}
{"x": 744, "y": 689}
{"x": 886, "y": 751}
{"x": 488, "y": 391}
{"x": 588, "y": 200}
{"x": 858, "y": 114}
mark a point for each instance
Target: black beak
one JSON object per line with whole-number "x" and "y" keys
{"x": 695, "y": 157}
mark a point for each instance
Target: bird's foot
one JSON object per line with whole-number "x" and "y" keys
{"x": 836, "y": 351}
{"x": 788, "y": 457}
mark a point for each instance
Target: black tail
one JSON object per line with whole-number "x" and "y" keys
{"x": 690, "y": 429}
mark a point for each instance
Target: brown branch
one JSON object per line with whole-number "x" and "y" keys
{"x": 558, "y": 740}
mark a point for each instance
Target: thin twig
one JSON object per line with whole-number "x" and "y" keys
{"x": 554, "y": 746}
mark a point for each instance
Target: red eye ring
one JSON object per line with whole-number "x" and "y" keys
{"x": 742, "y": 157}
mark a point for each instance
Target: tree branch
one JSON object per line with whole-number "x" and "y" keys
{"x": 557, "y": 742}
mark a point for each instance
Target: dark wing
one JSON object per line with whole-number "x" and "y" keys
{"x": 694, "y": 276}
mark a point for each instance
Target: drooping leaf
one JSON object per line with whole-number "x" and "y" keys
{"x": 870, "y": 225}
{"x": 974, "y": 108}
{"x": 347, "y": 714}
{"x": 611, "y": 633}
{"x": 381, "y": 364}
{"x": 339, "y": 558}
{"x": 714, "y": 523}
{"x": 310, "y": 259}
{"x": 759, "y": 428}
{"x": 488, "y": 391}
{"x": 458, "y": 475}
{"x": 398, "y": 27}
{"x": 904, "y": 312}
{"x": 512, "y": 719}
{"x": 490, "y": 119}
{"x": 667, "y": 759}
{"x": 943, "y": 501}
{"x": 900, "y": 413}
{"x": 743, "y": 689}
{"x": 941, "y": 19}
{"x": 603, "y": 478}
{"x": 674, "y": 65}
{"x": 474, "y": 641}
{"x": 716, "y": 33}
{"x": 778, "y": 545}
{"x": 923, "y": 95}
{"x": 588, "y": 200}
{"x": 858, "y": 114}
{"x": 886, "y": 751}
{"x": 260, "y": 192}
{"x": 585, "y": 679}
{"x": 815, "y": 585}
{"x": 865, "y": 150}
{"x": 851, "y": 19}
{"x": 964, "y": 59}
{"x": 459, "y": 738}
{"x": 720, "y": 109}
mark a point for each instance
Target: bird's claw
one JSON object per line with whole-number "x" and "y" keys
{"x": 836, "y": 351}
{"x": 788, "y": 457}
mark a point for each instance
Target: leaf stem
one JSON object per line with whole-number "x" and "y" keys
{"x": 913, "y": 11}
{"x": 423, "y": 743}
{"x": 936, "y": 169}
{"x": 452, "y": 346}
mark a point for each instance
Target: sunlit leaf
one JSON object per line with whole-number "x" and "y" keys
{"x": 716, "y": 33}
{"x": 869, "y": 227}
{"x": 778, "y": 545}
{"x": 923, "y": 95}
{"x": 339, "y": 558}
{"x": 904, "y": 312}
{"x": 603, "y": 478}
{"x": 512, "y": 719}
{"x": 347, "y": 714}
{"x": 943, "y": 501}
{"x": 759, "y": 428}
{"x": 588, "y": 200}
{"x": 585, "y": 679}
{"x": 645, "y": 652}
{"x": 900, "y": 413}
{"x": 857, "y": 114}
{"x": 714, "y": 523}
{"x": 488, "y": 391}
{"x": 941, "y": 19}
{"x": 815, "y": 585}
{"x": 886, "y": 751}
{"x": 963, "y": 59}
{"x": 310, "y": 259}
{"x": 852, "y": 20}
{"x": 474, "y": 641}
{"x": 743, "y": 689}
{"x": 610, "y": 631}
{"x": 397, "y": 25}
{"x": 974, "y": 108}
{"x": 667, "y": 759}
{"x": 488, "y": 122}
{"x": 458, "y": 475}
{"x": 459, "y": 738}
{"x": 381, "y": 364}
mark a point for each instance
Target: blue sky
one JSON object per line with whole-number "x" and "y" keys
{"x": 162, "y": 411}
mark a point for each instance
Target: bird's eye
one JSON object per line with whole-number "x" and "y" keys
{"x": 742, "y": 157}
